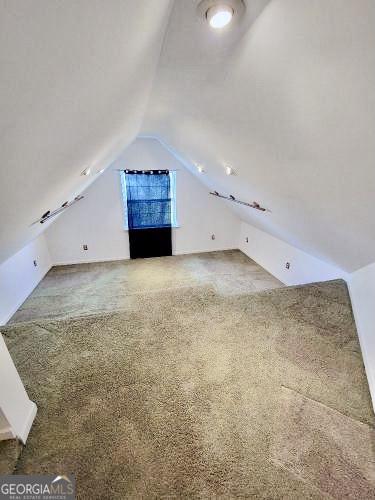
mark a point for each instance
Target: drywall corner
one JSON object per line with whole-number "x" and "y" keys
{"x": 274, "y": 255}
{"x": 20, "y": 274}
{"x": 362, "y": 293}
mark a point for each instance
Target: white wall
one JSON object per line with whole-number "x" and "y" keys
{"x": 17, "y": 412}
{"x": 273, "y": 253}
{"x": 362, "y": 293}
{"x": 19, "y": 276}
{"x": 97, "y": 220}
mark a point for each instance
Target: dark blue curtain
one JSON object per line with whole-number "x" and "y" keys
{"x": 148, "y": 199}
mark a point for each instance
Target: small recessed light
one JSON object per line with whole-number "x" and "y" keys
{"x": 200, "y": 169}
{"x": 219, "y": 16}
{"x": 87, "y": 171}
{"x": 229, "y": 170}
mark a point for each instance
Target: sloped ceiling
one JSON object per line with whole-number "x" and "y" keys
{"x": 75, "y": 81}
{"x": 287, "y": 99}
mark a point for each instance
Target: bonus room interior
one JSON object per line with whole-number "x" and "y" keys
{"x": 187, "y": 248}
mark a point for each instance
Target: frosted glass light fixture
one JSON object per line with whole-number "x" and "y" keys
{"x": 220, "y": 13}
{"x": 219, "y": 16}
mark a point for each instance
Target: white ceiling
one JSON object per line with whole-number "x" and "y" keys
{"x": 75, "y": 80}
{"x": 288, "y": 100}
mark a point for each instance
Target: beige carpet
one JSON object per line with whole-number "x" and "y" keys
{"x": 83, "y": 289}
{"x": 196, "y": 393}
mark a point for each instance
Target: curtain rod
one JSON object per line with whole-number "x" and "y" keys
{"x": 50, "y": 214}
{"x": 147, "y": 170}
{"x": 232, "y": 198}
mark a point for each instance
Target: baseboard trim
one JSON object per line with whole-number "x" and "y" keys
{"x": 370, "y": 373}
{"x": 117, "y": 259}
{"x": 208, "y": 250}
{"x": 88, "y": 261}
{"x": 6, "y": 434}
{"x": 24, "y": 432}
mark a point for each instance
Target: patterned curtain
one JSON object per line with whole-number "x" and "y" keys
{"x": 148, "y": 199}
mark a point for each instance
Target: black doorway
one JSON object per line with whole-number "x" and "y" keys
{"x": 155, "y": 242}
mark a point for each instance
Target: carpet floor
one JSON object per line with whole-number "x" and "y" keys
{"x": 200, "y": 391}
{"x": 77, "y": 290}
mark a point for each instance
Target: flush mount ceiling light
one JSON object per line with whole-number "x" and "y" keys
{"x": 229, "y": 170}
{"x": 219, "y": 13}
{"x": 219, "y": 16}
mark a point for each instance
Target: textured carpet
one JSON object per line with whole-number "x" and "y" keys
{"x": 190, "y": 393}
{"x": 83, "y": 289}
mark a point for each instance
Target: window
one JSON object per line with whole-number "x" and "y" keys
{"x": 149, "y": 198}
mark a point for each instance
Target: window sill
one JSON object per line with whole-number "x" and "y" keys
{"x": 177, "y": 226}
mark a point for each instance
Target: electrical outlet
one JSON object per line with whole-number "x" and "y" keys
{"x": 247, "y": 239}
{"x": 287, "y": 265}
{"x": 213, "y": 236}
{"x": 35, "y": 263}
{"x": 85, "y": 247}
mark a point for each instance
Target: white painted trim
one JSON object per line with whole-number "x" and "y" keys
{"x": 205, "y": 251}
{"x": 88, "y": 261}
{"x": 29, "y": 419}
{"x": 366, "y": 360}
{"x": 362, "y": 293}
{"x": 22, "y": 435}
{"x": 17, "y": 411}
{"x": 98, "y": 261}
{"x": 6, "y": 434}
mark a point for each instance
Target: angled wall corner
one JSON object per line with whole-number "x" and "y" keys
{"x": 274, "y": 254}
{"x": 362, "y": 293}
{"x": 17, "y": 411}
{"x": 19, "y": 276}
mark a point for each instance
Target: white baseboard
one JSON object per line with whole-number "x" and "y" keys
{"x": 6, "y": 434}
{"x": 116, "y": 259}
{"x": 29, "y": 419}
{"x": 208, "y": 250}
{"x": 23, "y": 432}
{"x": 88, "y": 261}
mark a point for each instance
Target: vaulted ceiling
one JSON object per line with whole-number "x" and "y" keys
{"x": 75, "y": 80}
{"x": 286, "y": 98}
